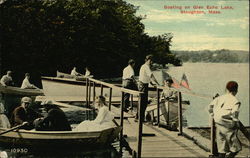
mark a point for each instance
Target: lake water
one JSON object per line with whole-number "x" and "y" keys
{"x": 209, "y": 79}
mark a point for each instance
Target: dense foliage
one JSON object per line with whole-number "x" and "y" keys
{"x": 43, "y": 36}
{"x": 217, "y": 56}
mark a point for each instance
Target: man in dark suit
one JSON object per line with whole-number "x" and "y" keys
{"x": 55, "y": 120}
{"x": 24, "y": 113}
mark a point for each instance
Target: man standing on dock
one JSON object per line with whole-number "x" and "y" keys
{"x": 145, "y": 76}
{"x": 129, "y": 82}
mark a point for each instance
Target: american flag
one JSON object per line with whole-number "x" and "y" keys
{"x": 184, "y": 82}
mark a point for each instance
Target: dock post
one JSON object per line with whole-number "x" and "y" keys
{"x": 87, "y": 92}
{"x": 180, "y": 113}
{"x": 121, "y": 123}
{"x": 212, "y": 137}
{"x": 131, "y": 102}
{"x": 110, "y": 98}
{"x": 101, "y": 89}
{"x": 158, "y": 107}
{"x": 139, "y": 137}
{"x": 94, "y": 93}
{"x": 168, "y": 113}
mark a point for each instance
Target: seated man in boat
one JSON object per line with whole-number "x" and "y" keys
{"x": 55, "y": 120}
{"x": 104, "y": 119}
{"x": 6, "y": 80}
{"x": 24, "y": 113}
{"x": 87, "y": 72}
{"x": 26, "y": 83}
{"x": 4, "y": 121}
{"x": 169, "y": 93}
{"x": 74, "y": 72}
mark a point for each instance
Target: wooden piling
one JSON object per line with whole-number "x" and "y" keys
{"x": 87, "y": 92}
{"x": 139, "y": 136}
{"x": 110, "y": 98}
{"x": 158, "y": 106}
{"x": 180, "y": 113}
{"x": 212, "y": 138}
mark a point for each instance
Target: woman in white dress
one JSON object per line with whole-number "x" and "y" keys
{"x": 104, "y": 119}
{"x": 4, "y": 121}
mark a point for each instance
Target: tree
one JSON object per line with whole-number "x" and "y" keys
{"x": 41, "y": 37}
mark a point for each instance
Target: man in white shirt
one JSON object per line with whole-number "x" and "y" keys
{"x": 74, "y": 72}
{"x": 129, "y": 82}
{"x": 6, "y": 80}
{"x": 26, "y": 83}
{"x": 225, "y": 111}
{"x": 145, "y": 77}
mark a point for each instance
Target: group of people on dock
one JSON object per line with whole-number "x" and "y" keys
{"x": 224, "y": 109}
{"x": 7, "y": 80}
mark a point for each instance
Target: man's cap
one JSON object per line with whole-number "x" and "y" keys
{"x": 47, "y": 102}
{"x": 26, "y": 100}
{"x": 131, "y": 61}
{"x": 9, "y": 72}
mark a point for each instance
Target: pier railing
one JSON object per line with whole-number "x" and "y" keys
{"x": 213, "y": 146}
{"x": 159, "y": 89}
{"x": 92, "y": 83}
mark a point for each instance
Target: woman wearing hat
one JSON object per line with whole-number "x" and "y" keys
{"x": 225, "y": 111}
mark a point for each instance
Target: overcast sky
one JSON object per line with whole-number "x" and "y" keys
{"x": 227, "y": 30}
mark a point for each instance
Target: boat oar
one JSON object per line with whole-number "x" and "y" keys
{"x": 14, "y": 128}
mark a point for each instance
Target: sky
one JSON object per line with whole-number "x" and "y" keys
{"x": 228, "y": 29}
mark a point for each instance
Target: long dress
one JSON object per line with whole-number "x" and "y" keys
{"x": 104, "y": 120}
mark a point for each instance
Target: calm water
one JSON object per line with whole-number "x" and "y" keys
{"x": 209, "y": 79}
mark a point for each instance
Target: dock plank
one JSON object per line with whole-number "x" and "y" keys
{"x": 164, "y": 144}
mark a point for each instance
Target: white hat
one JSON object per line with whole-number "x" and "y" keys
{"x": 47, "y": 102}
{"x": 26, "y": 100}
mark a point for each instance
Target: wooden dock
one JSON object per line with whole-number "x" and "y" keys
{"x": 159, "y": 142}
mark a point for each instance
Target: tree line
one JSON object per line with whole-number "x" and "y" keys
{"x": 216, "y": 56}
{"x": 43, "y": 36}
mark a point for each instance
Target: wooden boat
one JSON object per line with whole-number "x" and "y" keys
{"x": 58, "y": 87}
{"x": 66, "y": 75}
{"x": 168, "y": 110}
{"x": 59, "y": 139}
{"x": 20, "y": 92}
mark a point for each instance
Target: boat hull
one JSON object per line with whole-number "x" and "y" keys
{"x": 9, "y": 90}
{"x": 168, "y": 111}
{"x": 54, "y": 86}
{"x": 69, "y": 139}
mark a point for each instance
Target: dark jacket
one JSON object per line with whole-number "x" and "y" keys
{"x": 21, "y": 115}
{"x": 55, "y": 120}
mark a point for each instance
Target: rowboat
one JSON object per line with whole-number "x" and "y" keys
{"x": 17, "y": 91}
{"x": 66, "y": 75}
{"x": 59, "y": 139}
{"x": 68, "y": 87}
{"x": 168, "y": 110}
